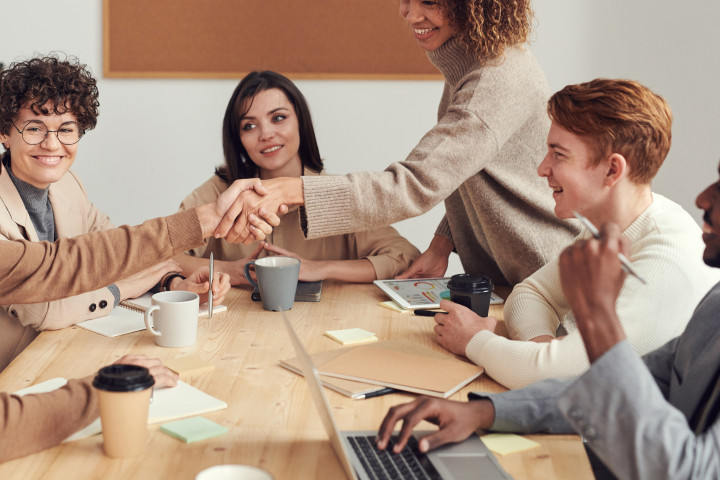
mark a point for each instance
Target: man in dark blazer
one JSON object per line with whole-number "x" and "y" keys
{"x": 649, "y": 418}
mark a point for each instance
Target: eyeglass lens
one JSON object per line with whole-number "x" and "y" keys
{"x": 35, "y": 132}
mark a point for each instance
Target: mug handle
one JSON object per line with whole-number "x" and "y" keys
{"x": 247, "y": 273}
{"x": 148, "y": 312}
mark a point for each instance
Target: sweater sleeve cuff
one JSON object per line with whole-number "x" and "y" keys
{"x": 475, "y": 347}
{"x": 443, "y": 228}
{"x": 327, "y": 203}
{"x": 184, "y": 230}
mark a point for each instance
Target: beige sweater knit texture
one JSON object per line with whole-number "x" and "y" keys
{"x": 481, "y": 158}
{"x": 389, "y": 252}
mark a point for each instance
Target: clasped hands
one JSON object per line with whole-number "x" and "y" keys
{"x": 250, "y": 208}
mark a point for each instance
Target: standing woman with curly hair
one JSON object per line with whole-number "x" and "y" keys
{"x": 481, "y": 157}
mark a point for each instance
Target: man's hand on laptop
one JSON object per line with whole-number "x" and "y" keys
{"x": 457, "y": 421}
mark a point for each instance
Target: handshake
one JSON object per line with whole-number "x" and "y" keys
{"x": 248, "y": 210}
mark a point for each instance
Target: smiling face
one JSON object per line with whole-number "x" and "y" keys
{"x": 709, "y": 201}
{"x": 577, "y": 184}
{"x": 44, "y": 163}
{"x": 430, "y": 25}
{"x": 270, "y": 134}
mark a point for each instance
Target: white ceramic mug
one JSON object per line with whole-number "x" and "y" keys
{"x": 233, "y": 472}
{"x": 174, "y": 318}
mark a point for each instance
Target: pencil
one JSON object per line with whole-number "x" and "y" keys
{"x": 427, "y": 313}
{"x": 623, "y": 259}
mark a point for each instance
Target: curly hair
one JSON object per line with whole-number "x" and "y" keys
{"x": 486, "y": 27}
{"x": 67, "y": 84}
{"x": 617, "y": 116}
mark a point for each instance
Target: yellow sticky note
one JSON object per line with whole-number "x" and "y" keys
{"x": 506, "y": 443}
{"x": 350, "y": 336}
{"x": 394, "y": 307}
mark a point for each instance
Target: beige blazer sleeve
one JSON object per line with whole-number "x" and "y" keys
{"x": 74, "y": 215}
{"x": 389, "y": 252}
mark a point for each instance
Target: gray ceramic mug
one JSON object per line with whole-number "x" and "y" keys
{"x": 277, "y": 279}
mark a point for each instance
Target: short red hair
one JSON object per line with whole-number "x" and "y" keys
{"x": 617, "y": 116}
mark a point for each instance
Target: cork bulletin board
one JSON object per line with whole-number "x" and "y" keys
{"x": 362, "y": 39}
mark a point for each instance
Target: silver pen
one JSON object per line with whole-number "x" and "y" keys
{"x": 210, "y": 293}
{"x": 623, "y": 259}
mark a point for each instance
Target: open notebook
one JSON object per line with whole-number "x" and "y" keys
{"x": 167, "y": 404}
{"x": 128, "y": 317}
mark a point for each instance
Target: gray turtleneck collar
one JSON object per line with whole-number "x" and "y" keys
{"x": 37, "y": 203}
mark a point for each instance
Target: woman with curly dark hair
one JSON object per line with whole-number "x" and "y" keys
{"x": 46, "y": 106}
{"x": 268, "y": 133}
{"x": 481, "y": 157}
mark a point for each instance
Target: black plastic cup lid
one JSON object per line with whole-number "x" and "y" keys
{"x": 470, "y": 282}
{"x": 123, "y": 378}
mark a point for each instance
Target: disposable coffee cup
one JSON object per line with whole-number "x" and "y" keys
{"x": 124, "y": 399}
{"x": 472, "y": 291}
{"x": 277, "y": 279}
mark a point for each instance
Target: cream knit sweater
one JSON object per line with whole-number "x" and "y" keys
{"x": 666, "y": 249}
{"x": 481, "y": 158}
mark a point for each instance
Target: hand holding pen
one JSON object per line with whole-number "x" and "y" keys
{"x": 626, "y": 265}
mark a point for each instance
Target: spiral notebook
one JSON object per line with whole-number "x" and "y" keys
{"x": 129, "y": 317}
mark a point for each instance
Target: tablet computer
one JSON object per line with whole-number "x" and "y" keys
{"x": 413, "y": 293}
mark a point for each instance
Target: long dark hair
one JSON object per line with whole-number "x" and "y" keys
{"x": 237, "y": 161}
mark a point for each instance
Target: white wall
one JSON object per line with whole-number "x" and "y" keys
{"x": 156, "y": 140}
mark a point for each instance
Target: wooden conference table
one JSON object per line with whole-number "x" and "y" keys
{"x": 271, "y": 418}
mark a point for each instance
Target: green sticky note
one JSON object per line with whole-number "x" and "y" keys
{"x": 193, "y": 429}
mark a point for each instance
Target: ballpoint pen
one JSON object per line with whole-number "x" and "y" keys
{"x": 210, "y": 296}
{"x": 377, "y": 393}
{"x": 623, "y": 259}
{"x": 427, "y": 313}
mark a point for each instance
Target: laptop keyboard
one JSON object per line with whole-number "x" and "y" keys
{"x": 383, "y": 464}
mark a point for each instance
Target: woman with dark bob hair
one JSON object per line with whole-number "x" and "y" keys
{"x": 480, "y": 158}
{"x": 268, "y": 133}
{"x": 46, "y": 106}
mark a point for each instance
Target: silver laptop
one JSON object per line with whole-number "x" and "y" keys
{"x": 361, "y": 460}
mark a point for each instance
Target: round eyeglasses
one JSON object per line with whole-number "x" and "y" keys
{"x": 35, "y": 132}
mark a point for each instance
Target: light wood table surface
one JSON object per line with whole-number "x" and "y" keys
{"x": 271, "y": 419}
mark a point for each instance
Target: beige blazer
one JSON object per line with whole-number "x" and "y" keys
{"x": 74, "y": 215}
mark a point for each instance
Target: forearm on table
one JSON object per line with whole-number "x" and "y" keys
{"x": 532, "y": 409}
{"x": 190, "y": 263}
{"x": 355, "y": 271}
{"x": 65, "y": 312}
{"x": 35, "y": 422}
{"x": 516, "y": 364}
